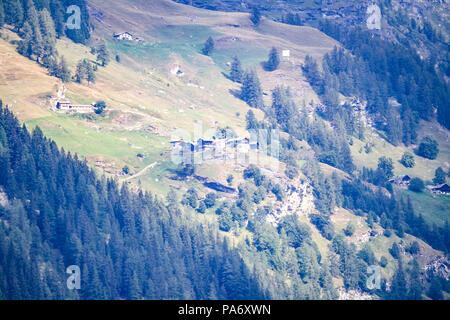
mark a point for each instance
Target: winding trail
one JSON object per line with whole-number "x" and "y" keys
{"x": 140, "y": 173}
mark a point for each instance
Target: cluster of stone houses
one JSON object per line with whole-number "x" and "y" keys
{"x": 214, "y": 146}
{"x": 68, "y": 106}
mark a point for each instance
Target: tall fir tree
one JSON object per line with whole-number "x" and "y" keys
{"x": 236, "y": 73}
{"x": 208, "y": 48}
{"x": 274, "y": 60}
{"x": 251, "y": 90}
{"x": 14, "y": 14}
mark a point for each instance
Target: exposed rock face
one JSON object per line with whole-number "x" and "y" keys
{"x": 298, "y": 200}
{"x": 3, "y": 198}
{"x": 354, "y": 295}
{"x": 439, "y": 266}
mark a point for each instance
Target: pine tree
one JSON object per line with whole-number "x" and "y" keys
{"x": 2, "y": 14}
{"x": 47, "y": 29}
{"x": 81, "y": 71}
{"x": 439, "y": 176}
{"x": 274, "y": 60}
{"x": 252, "y": 122}
{"x": 255, "y": 16}
{"x": 24, "y": 47}
{"x": 435, "y": 291}
{"x": 57, "y": 12}
{"x": 236, "y": 73}
{"x": 415, "y": 286}
{"x": 63, "y": 70}
{"x": 208, "y": 47}
{"x": 14, "y": 14}
{"x": 251, "y": 90}
{"x": 32, "y": 15}
{"x": 399, "y": 287}
{"x": 91, "y": 77}
{"x": 103, "y": 55}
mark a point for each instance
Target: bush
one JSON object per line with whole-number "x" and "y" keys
{"x": 210, "y": 200}
{"x": 230, "y": 179}
{"x": 225, "y": 221}
{"x": 278, "y": 192}
{"x": 395, "y": 251}
{"x": 349, "y": 230}
{"x": 190, "y": 198}
{"x": 416, "y": 185}
{"x": 414, "y": 248}
{"x": 439, "y": 176}
{"x": 323, "y": 224}
{"x": 251, "y": 171}
{"x": 202, "y": 207}
{"x": 428, "y": 148}
{"x": 408, "y": 160}
{"x": 99, "y": 107}
{"x": 383, "y": 262}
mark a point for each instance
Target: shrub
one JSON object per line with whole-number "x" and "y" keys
{"x": 383, "y": 262}
{"x": 210, "y": 200}
{"x": 439, "y": 176}
{"x": 416, "y": 185}
{"x": 408, "y": 160}
{"x": 428, "y": 148}
{"x": 349, "y": 230}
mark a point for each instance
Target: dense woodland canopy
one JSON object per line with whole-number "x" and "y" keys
{"x": 128, "y": 245}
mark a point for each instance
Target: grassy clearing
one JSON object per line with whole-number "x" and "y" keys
{"x": 423, "y": 169}
{"x": 434, "y": 208}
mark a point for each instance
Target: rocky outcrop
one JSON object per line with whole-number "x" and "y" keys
{"x": 354, "y": 295}
{"x": 3, "y": 198}
{"x": 298, "y": 200}
{"x": 439, "y": 266}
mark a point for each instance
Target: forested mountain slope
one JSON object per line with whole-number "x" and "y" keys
{"x": 55, "y": 213}
{"x": 361, "y": 118}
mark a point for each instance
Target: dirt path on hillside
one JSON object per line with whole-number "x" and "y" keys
{"x": 140, "y": 173}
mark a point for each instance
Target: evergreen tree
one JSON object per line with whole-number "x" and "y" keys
{"x": 252, "y": 122}
{"x": 48, "y": 32}
{"x": 435, "y": 291}
{"x": 251, "y": 90}
{"x": 80, "y": 72}
{"x": 57, "y": 13}
{"x": 274, "y": 60}
{"x": 208, "y": 48}
{"x": 91, "y": 77}
{"x": 385, "y": 168}
{"x": 439, "y": 176}
{"x": 255, "y": 16}
{"x": 24, "y": 47}
{"x": 399, "y": 284}
{"x": 14, "y": 14}
{"x": 2, "y": 14}
{"x": 63, "y": 70}
{"x": 103, "y": 55}
{"x": 236, "y": 73}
